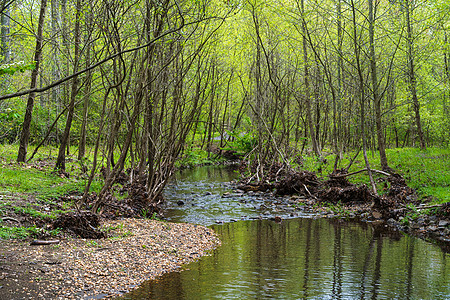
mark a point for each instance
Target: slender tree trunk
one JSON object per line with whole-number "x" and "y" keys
{"x": 56, "y": 72}
{"x": 307, "y": 91}
{"x": 412, "y": 75}
{"x": 357, "y": 49}
{"x": 5, "y": 32}
{"x": 82, "y": 144}
{"x": 376, "y": 95}
{"x": 61, "y": 160}
{"x": 25, "y": 135}
{"x": 5, "y": 45}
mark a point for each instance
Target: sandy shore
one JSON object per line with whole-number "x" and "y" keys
{"x": 136, "y": 251}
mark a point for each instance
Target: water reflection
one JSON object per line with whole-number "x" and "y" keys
{"x": 309, "y": 259}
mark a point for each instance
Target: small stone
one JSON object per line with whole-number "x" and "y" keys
{"x": 391, "y": 221}
{"x": 376, "y": 215}
{"x": 443, "y": 223}
{"x": 432, "y": 228}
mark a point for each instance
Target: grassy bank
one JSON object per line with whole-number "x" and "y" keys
{"x": 428, "y": 171}
{"x": 30, "y": 193}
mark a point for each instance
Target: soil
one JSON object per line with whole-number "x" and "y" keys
{"x": 136, "y": 251}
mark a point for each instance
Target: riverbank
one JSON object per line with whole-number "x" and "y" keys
{"x": 427, "y": 221}
{"x": 135, "y": 251}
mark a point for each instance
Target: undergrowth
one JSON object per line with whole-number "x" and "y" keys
{"x": 427, "y": 171}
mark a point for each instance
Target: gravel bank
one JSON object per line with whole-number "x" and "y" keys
{"x": 136, "y": 251}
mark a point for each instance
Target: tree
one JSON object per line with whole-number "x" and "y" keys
{"x": 61, "y": 160}
{"x": 25, "y": 135}
{"x": 409, "y": 9}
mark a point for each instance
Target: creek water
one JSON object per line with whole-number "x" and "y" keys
{"x": 300, "y": 258}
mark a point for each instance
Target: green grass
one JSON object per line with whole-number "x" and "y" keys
{"x": 196, "y": 156}
{"x": 38, "y": 179}
{"x": 32, "y": 189}
{"x": 426, "y": 171}
{"x": 24, "y": 232}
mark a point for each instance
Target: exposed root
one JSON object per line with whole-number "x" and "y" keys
{"x": 349, "y": 194}
{"x": 84, "y": 224}
{"x": 304, "y": 183}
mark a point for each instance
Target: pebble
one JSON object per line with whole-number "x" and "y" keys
{"x": 141, "y": 250}
{"x": 443, "y": 223}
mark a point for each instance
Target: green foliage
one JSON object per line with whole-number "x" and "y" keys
{"x": 24, "y": 232}
{"x": 12, "y": 68}
{"x": 242, "y": 142}
{"x": 411, "y": 215}
{"x": 10, "y": 123}
{"x": 194, "y": 157}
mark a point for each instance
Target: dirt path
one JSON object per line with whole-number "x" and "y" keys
{"x": 137, "y": 250}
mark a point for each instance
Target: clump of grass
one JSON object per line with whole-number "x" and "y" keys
{"x": 25, "y": 232}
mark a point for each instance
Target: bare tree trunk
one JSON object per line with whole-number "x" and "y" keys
{"x": 82, "y": 143}
{"x": 25, "y": 135}
{"x": 5, "y": 32}
{"x": 412, "y": 75}
{"x": 307, "y": 91}
{"x": 61, "y": 160}
{"x": 376, "y": 95}
{"x": 357, "y": 49}
{"x": 56, "y": 71}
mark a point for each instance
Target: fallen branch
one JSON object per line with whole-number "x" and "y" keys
{"x": 429, "y": 206}
{"x": 41, "y": 242}
{"x": 360, "y": 171}
{"x": 10, "y": 219}
{"x": 309, "y": 192}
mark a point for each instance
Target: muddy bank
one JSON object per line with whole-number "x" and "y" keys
{"x": 136, "y": 251}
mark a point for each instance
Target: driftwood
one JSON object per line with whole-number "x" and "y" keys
{"x": 10, "y": 219}
{"x": 404, "y": 207}
{"x": 42, "y": 242}
{"x": 429, "y": 206}
{"x": 360, "y": 171}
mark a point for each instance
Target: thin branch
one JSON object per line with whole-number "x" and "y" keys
{"x": 56, "y": 83}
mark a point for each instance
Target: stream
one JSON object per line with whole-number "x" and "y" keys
{"x": 303, "y": 257}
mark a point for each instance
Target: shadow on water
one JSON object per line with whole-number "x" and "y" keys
{"x": 309, "y": 259}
